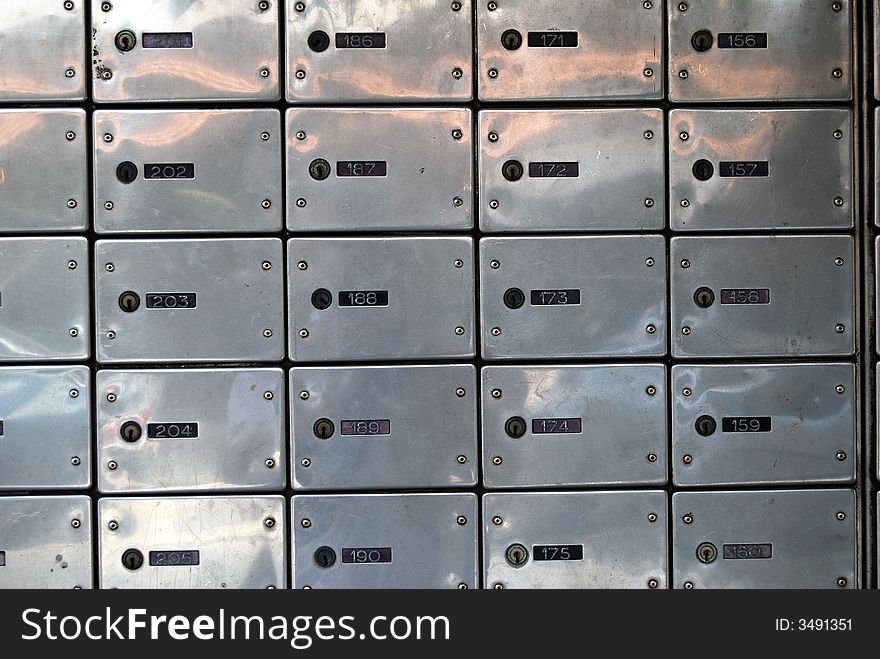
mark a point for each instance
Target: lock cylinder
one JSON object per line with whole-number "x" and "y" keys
{"x": 517, "y": 555}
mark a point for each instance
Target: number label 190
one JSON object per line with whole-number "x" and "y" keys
{"x": 363, "y": 298}
{"x": 745, "y": 296}
{"x": 558, "y": 552}
{"x": 174, "y": 558}
{"x": 746, "y": 424}
{"x": 365, "y": 427}
{"x": 366, "y": 555}
{"x": 189, "y": 430}
{"x": 171, "y": 300}
{"x": 170, "y": 170}
{"x": 748, "y": 551}
{"x": 742, "y": 40}
{"x": 552, "y": 298}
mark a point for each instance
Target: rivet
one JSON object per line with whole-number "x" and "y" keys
{"x": 300, "y": 6}
{"x": 497, "y": 521}
{"x": 459, "y": 330}
{"x": 648, "y": 72}
{"x": 456, "y": 6}
{"x": 688, "y": 585}
{"x": 461, "y": 520}
{"x": 462, "y": 586}
{"x": 305, "y": 522}
{"x": 647, "y": 4}
{"x": 304, "y": 395}
{"x": 108, "y": 205}
{"x": 841, "y": 515}
{"x": 492, "y": 6}
{"x": 683, "y": 74}
{"x": 652, "y": 517}
{"x": 687, "y": 459}
{"x": 649, "y": 203}
{"x": 301, "y": 203}
{"x": 650, "y": 329}
{"x": 840, "y": 389}
{"x": 686, "y": 330}
{"x": 682, "y": 6}
{"x": 75, "y": 461}
{"x": 652, "y": 583}
{"x": 686, "y": 392}
{"x": 109, "y": 267}
{"x": 840, "y": 328}
{"x": 838, "y": 201}
{"x": 684, "y": 136}
{"x": 112, "y": 525}
{"x": 842, "y": 582}
{"x": 111, "y": 335}
{"x": 112, "y": 465}
{"x": 304, "y": 333}
{"x": 493, "y": 204}
{"x": 265, "y": 137}
{"x": 493, "y": 137}
{"x": 457, "y": 201}
{"x": 496, "y": 393}
{"x": 649, "y": 134}
{"x": 266, "y": 265}
{"x": 106, "y": 74}
{"x": 264, "y": 73}
{"x": 270, "y": 463}
{"x": 493, "y": 73}
{"x": 108, "y": 138}
{"x": 838, "y": 134}
{"x": 111, "y": 398}
{"x": 300, "y": 74}
{"x": 74, "y": 332}
{"x": 71, "y": 203}
{"x": 461, "y": 459}
{"x": 460, "y": 392}
{"x": 70, "y": 135}
{"x": 685, "y": 264}
{"x": 457, "y": 133}
{"x": 838, "y": 261}
{"x": 263, "y": 5}
{"x": 458, "y": 263}
{"x": 837, "y": 73}
{"x": 649, "y": 262}
{"x": 305, "y": 462}
{"x": 841, "y": 456}
{"x": 650, "y": 390}
{"x": 269, "y": 522}
{"x": 496, "y": 331}
{"x": 497, "y": 460}
{"x": 494, "y": 264}
{"x": 301, "y": 135}
{"x": 267, "y": 333}
{"x": 268, "y": 395}
{"x": 651, "y": 457}
{"x": 73, "y": 393}
{"x": 302, "y": 265}
{"x": 836, "y": 6}
{"x": 266, "y": 204}
{"x": 688, "y": 518}
{"x": 70, "y": 73}
{"x": 71, "y": 265}
{"x": 457, "y": 73}
{"x": 68, "y": 5}
{"x": 75, "y": 523}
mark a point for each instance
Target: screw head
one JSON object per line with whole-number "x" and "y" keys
{"x": 841, "y": 455}
{"x": 841, "y": 515}
{"x": 459, "y": 330}
{"x": 497, "y": 460}
{"x": 652, "y": 517}
{"x": 71, "y": 203}
{"x": 112, "y": 525}
{"x": 111, "y": 398}
{"x": 683, "y": 74}
{"x": 75, "y": 461}
{"x": 461, "y": 520}
{"x": 688, "y": 518}
{"x": 304, "y": 395}
{"x": 300, "y": 74}
{"x": 74, "y": 332}
{"x": 496, "y": 393}
{"x": 75, "y": 523}
{"x": 457, "y": 133}
{"x": 268, "y": 395}
{"x": 840, "y": 389}
{"x": 305, "y": 522}
{"x": 457, "y": 73}
{"x": 649, "y": 262}
{"x": 651, "y": 390}
{"x": 270, "y": 463}
{"x": 461, "y": 459}
{"x": 842, "y": 582}
{"x": 460, "y": 392}
{"x": 70, "y": 135}
{"x": 267, "y": 333}
{"x": 73, "y": 393}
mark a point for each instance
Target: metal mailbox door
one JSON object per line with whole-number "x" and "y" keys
{"x": 764, "y": 539}
{"x": 393, "y": 51}
{"x": 45, "y": 428}
{"x": 190, "y": 300}
{"x": 575, "y": 540}
{"x": 187, "y": 171}
{"x": 395, "y": 298}
{"x": 600, "y": 296}
{"x": 180, "y": 50}
{"x": 392, "y": 169}
{"x": 736, "y": 170}
{"x": 763, "y": 424}
{"x": 44, "y": 299}
{"x": 384, "y": 427}
{"x": 572, "y": 170}
{"x": 45, "y": 542}
{"x": 193, "y": 542}
{"x": 385, "y": 541}
{"x": 190, "y": 430}
{"x": 44, "y": 51}
{"x": 762, "y": 296}
{"x": 43, "y": 169}
{"x": 558, "y": 426}
{"x": 558, "y": 50}
{"x": 760, "y": 50}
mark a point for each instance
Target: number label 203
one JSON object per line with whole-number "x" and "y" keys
{"x": 171, "y": 300}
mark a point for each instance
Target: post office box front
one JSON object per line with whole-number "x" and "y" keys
{"x": 340, "y": 51}
{"x": 44, "y": 51}
{"x": 764, "y": 539}
{"x": 558, "y": 426}
{"x": 602, "y": 296}
{"x": 572, "y": 170}
{"x": 44, "y": 299}
{"x": 570, "y": 49}
{"x": 190, "y": 430}
{"x": 761, "y": 169}
{"x": 190, "y": 300}
{"x": 179, "y": 50}
{"x": 45, "y": 428}
{"x": 193, "y": 542}
{"x": 45, "y": 542}
{"x": 385, "y": 541}
{"x": 380, "y": 298}
{"x": 575, "y": 540}
{"x": 43, "y": 163}
{"x": 378, "y": 427}
{"x": 379, "y": 169}
{"x": 781, "y": 296}
{"x": 187, "y": 171}
{"x": 763, "y": 424}
{"x": 760, "y": 50}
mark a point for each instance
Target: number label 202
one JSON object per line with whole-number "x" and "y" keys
{"x": 170, "y": 170}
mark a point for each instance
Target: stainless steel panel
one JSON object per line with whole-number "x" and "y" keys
{"x": 390, "y": 427}
{"x": 232, "y": 52}
{"x": 430, "y": 298}
{"x": 427, "y": 53}
{"x": 558, "y": 426}
{"x": 619, "y": 180}
{"x": 767, "y": 424}
{"x": 45, "y": 428}
{"x": 44, "y": 299}
{"x": 43, "y": 169}
{"x": 239, "y": 300}
{"x": 808, "y": 183}
{"x": 807, "y": 280}
{"x": 193, "y": 430}
{"x": 622, "y": 284}
{"x": 240, "y": 542}
{"x": 430, "y": 539}
{"x": 44, "y": 51}
{"x": 621, "y": 537}
{"x": 618, "y": 55}
{"x": 764, "y": 539}
{"x": 424, "y": 156}
{"x": 46, "y": 541}
{"x": 807, "y": 50}
{"x": 234, "y": 184}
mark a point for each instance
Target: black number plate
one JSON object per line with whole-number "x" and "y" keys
{"x": 1, "y": 427}
{"x": 365, "y": 427}
{"x": 742, "y": 39}
{"x": 553, "y": 39}
{"x": 2, "y": 559}
{"x": 558, "y": 552}
{"x": 746, "y": 552}
{"x": 745, "y": 296}
{"x": 366, "y": 555}
{"x": 174, "y": 558}
{"x": 745, "y": 169}
{"x": 167, "y": 39}
{"x": 554, "y": 170}
{"x": 349, "y": 168}
{"x": 556, "y": 426}
{"x": 360, "y": 39}
{"x": 363, "y": 298}
{"x": 186, "y": 430}
{"x": 169, "y": 170}
{"x": 171, "y": 300}
{"x": 561, "y": 297}
{"x": 746, "y": 424}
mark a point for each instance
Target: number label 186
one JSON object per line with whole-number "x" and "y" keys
{"x": 360, "y": 39}
{"x": 366, "y": 555}
{"x": 558, "y": 552}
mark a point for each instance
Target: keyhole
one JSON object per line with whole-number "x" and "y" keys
{"x": 514, "y": 298}
{"x": 132, "y": 559}
{"x": 517, "y": 555}
{"x": 703, "y": 170}
{"x": 707, "y": 552}
{"x": 319, "y": 41}
{"x": 322, "y": 299}
{"x": 704, "y": 297}
{"x": 511, "y": 39}
{"x": 512, "y": 170}
{"x": 705, "y": 426}
{"x": 515, "y": 427}
{"x": 130, "y": 431}
{"x": 325, "y": 557}
{"x": 126, "y": 40}
{"x": 324, "y": 429}
{"x": 702, "y": 41}
{"x": 126, "y": 172}
{"x": 129, "y": 301}
{"x": 319, "y": 169}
